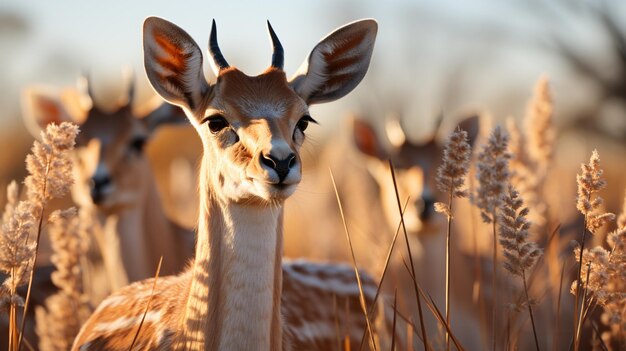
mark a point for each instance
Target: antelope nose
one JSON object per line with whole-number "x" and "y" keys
{"x": 281, "y": 167}
{"x": 98, "y": 184}
{"x": 428, "y": 208}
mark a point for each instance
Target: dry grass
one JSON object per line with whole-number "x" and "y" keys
{"x": 49, "y": 168}
{"x": 532, "y": 297}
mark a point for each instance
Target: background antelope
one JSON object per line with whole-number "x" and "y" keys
{"x": 113, "y": 174}
{"x": 251, "y": 129}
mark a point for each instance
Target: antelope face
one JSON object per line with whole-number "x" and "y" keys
{"x": 415, "y": 165}
{"x": 110, "y": 163}
{"x": 252, "y": 127}
{"x": 110, "y": 167}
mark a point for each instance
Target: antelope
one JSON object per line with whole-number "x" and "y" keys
{"x": 238, "y": 294}
{"x": 113, "y": 174}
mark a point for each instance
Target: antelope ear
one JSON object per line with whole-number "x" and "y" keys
{"x": 40, "y": 108}
{"x": 337, "y": 64}
{"x": 173, "y": 63}
{"x": 365, "y": 138}
{"x": 163, "y": 114}
{"x": 472, "y": 126}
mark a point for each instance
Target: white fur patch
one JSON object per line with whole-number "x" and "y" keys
{"x": 249, "y": 277}
{"x": 127, "y": 322}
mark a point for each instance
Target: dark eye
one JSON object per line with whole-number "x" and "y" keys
{"x": 303, "y": 123}
{"x": 216, "y": 123}
{"x": 137, "y": 144}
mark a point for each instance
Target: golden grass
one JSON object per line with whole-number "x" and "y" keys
{"x": 535, "y": 303}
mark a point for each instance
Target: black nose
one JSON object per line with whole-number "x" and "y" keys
{"x": 281, "y": 167}
{"x": 428, "y": 208}
{"x": 97, "y": 184}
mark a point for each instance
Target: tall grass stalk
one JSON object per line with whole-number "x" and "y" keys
{"x": 493, "y": 177}
{"x": 16, "y": 252}
{"x": 408, "y": 247}
{"x": 450, "y": 178}
{"x": 384, "y": 273}
{"x": 143, "y": 317}
{"x": 521, "y": 255}
{"x": 356, "y": 270}
{"x": 589, "y": 182}
{"x": 50, "y": 176}
{"x": 65, "y": 311}
{"x": 395, "y": 314}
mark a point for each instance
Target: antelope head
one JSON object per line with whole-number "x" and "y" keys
{"x": 252, "y": 127}
{"x": 415, "y": 164}
{"x": 110, "y": 166}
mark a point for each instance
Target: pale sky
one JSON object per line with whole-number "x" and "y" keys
{"x": 421, "y": 48}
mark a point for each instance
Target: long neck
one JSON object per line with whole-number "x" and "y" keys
{"x": 234, "y": 297}
{"x": 145, "y": 233}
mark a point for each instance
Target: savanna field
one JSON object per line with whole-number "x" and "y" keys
{"x": 407, "y": 176}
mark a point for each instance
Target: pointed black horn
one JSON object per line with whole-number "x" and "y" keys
{"x": 214, "y": 49}
{"x": 278, "y": 55}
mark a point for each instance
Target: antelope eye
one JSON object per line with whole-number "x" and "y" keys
{"x": 137, "y": 144}
{"x": 216, "y": 123}
{"x": 303, "y": 123}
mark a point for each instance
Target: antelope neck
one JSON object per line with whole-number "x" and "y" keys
{"x": 234, "y": 296}
{"x": 146, "y": 233}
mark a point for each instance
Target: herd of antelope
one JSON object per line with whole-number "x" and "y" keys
{"x": 237, "y": 294}
{"x": 225, "y": 285}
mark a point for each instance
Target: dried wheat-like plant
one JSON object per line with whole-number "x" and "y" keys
{"x": 65, "y": 312}
{"x": 492, "y": 174}
{"x": 16, "y": 253}
{"x": 450, "y": 179}
{"x": 613, "y": 298}
{"x": 16, "y": 250}
{"x": 540, "y": 126}
{"x": 49, "y": 165}
{"x": 521, "y": 254}
{"x": 451, "y": 174}
{"x": 607, "y": 282}
{"x": 50, "y": 176}
{"x": 589, "y": 183}
{"x": 606, "y": 285}
{"x": 493, "y": 178}
{"x": 621, "y": 220}
{"x": 532, "y": 150}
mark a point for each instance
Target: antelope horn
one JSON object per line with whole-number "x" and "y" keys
{"x": 130, "y": 81}
{"x": 214, "y": 50}
{"x": 438, "y": 123}
{"x": 278, "y": 55}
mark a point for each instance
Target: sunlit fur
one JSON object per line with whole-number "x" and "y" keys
{"x": 262, "y": 112}
{"x": 230, "y": 298}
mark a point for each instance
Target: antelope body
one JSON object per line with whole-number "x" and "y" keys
{"x": 237, "y": 294}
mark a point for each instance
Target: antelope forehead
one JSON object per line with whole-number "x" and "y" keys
{"x": 262, "y": 109}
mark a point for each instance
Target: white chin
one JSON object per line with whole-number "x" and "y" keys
{"x": 268, "y": 191}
